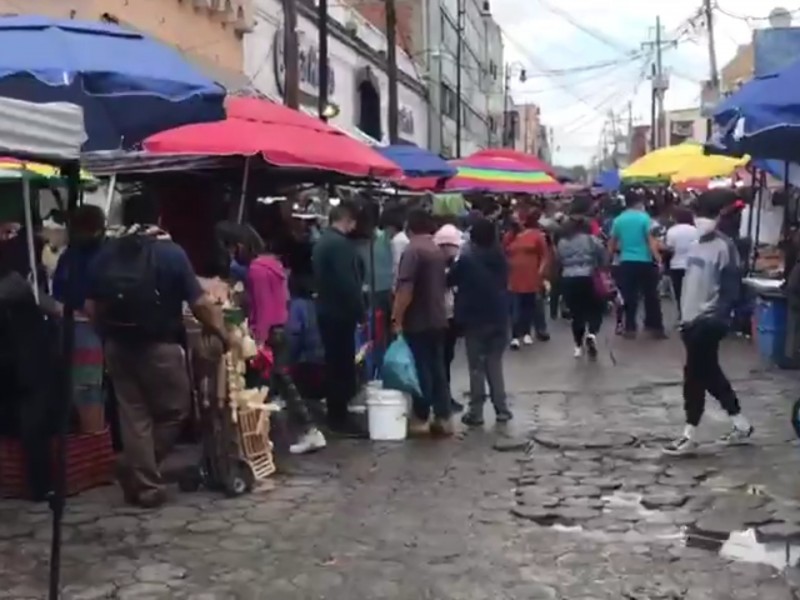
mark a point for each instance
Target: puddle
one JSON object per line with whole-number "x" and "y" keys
{"x": 743, "y": 546}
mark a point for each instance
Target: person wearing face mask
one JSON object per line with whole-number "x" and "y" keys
{"x": 710, "y": 290}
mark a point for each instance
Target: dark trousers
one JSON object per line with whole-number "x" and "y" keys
{"x": 338, "y": 339}
{"x": 527, "y": 313}
{"x": 636, "y": 280}
{"x": 450, "y": 339}
{"x": 555, "y": 297}
{"x": 676, "y": 275}
{"x": 584, "y": 305}
{"x": 428, "y": 350}
{"x": 154, "y": 398}
{"x": 702, "y": 372}
{"x": 485, "y": 348}
{"x": 281, "y": 382}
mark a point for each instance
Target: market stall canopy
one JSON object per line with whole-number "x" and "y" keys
{"x": 281, "y": 136}
{"x": 14, "y": 168}
{"x": 129, "y": 86}
{"x": 417, "y": 162}
{"x": 533, "y": 162}
{"x": 608, "y": 180}
{"x": 681, "y": 162}
{"x": 762, "y": 118}
{"x": 53, "y": 132}
{"x": 500, "y": 175}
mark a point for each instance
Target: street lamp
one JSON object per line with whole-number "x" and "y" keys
{"x": 514, "y": 69}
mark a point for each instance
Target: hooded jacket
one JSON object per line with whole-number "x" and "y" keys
{"x": 480, "y": 276}
{"x": 268, "y": 296}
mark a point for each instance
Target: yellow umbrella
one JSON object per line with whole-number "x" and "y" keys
{"x": 682, "y": 162}
{"x": 11, "y": 168}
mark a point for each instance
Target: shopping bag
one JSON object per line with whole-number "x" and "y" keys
{"x": 399, "y": 369}
{"x": 604, "y": 287}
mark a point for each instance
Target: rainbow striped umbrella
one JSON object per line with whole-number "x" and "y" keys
{"x": 500, "y": 175}
{"x": 12, "y": 168}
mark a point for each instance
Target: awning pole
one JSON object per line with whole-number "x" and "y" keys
{"x": 112, "y": 184}
{"x": 245, "y": 179}
{"x": 26, "y": 196}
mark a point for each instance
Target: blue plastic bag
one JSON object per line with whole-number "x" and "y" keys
{"x": 399, "y": 369}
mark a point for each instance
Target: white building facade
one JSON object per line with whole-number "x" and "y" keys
{"x": 358, "y": 84}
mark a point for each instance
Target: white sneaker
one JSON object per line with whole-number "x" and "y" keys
{"x": 527, "y": 340}
{"x": 737, "y": 436}
{"x": 591, "y": 345}
{"x": 515, "y": 344}
{"x": 309, "y": 442}
{"x": 578, "y": 352}
{"x": 680, "y": 447}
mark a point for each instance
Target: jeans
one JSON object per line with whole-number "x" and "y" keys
{"x": 485, "y": 348}
{"x": 451, "y": 338}
{"x": 702, "y": 372}
{"x": 428, "y": 350}
{"x": 638, "y": 279}
{"x": 676, "y": 275}
{"x": 338, "y": 339}
{"x": 281, "y": 382}
{"x": 586, "y": 308}
{"x": 527, "y": 312}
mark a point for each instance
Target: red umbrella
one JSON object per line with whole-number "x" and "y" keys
{"x": 534, "y": 162}
{"x": 281, "y": 136}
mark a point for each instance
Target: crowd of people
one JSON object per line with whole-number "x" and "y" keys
{"x": 485, "y": 277}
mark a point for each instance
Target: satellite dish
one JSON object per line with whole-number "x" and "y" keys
{"x": 780, "y": 17}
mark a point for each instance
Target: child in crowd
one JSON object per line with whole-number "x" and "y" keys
{"x": 306, "y": 353}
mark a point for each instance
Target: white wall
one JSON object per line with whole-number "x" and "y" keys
{"x": 345, "y": 63}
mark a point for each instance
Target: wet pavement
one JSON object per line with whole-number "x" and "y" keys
{"x": 572, "y": 502}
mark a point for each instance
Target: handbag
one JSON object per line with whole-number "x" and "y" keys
{"x": 603, "y": 283}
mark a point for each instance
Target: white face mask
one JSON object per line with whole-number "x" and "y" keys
{"x": 705, "y": 225}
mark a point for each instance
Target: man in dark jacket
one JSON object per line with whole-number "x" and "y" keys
{"x": 339, "y": 282}
{"x": 480, "y": 276}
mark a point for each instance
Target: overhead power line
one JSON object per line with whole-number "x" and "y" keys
{"x": 721, "y": 10}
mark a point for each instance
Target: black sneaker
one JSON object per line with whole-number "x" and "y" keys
{"x": 503, "y": 416}
{"x": 470, "y": 419}
{"x": 680, "y": 447}
{"x": 347, "y": 429}
{"x": 543, "y": 336}
{"x": 737, "y": 437}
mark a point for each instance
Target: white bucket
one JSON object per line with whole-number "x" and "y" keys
{"x": 387, "y": 413}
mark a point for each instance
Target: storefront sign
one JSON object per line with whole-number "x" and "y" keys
{"x": 308, "y": 64}
{"x": 406, "y": 120}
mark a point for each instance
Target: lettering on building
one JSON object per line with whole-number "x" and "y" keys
{"x": 308, "y": 64}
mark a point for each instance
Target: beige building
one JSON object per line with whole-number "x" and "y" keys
{"x": 738, "y": 70}
{"x": 685, "y": 125}
{"x": 528, "y": 131}
{"x": 207, "y": 32}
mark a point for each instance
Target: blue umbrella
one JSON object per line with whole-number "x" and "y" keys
{"x": 417, "y": 162}
{"x": 762, "y": 118}
{"x": 129, "y": 86}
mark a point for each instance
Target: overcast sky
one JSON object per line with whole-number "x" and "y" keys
{"x": 540, "y": 37}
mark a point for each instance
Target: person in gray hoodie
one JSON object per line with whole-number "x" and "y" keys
{"x": 710, "y": 290}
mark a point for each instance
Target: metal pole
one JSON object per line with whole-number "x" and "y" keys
{"x": 291, "y": 93}
{"x": 712, "y": 59}
{"x": 391, "y": 70}
{"x": 459, "y": 36}
{"x": 26, "y": 197}
{"x": 322, "y": 18}
{"x": 245, "y": 179}
{"x": 660, "y": 86}
{"x": 506, "y": 118}
{"x": 653, "y": 123}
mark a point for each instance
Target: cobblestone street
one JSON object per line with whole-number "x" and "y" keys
{"x": 573, "y": 502}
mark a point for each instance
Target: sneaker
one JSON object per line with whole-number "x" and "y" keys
{"x": 591, "y": 345}
{"x": 503, "y": 416}
{"x": 515, "y": 344}
{"x": 680, "y": 447}
{"x": 456, "y": 406}
{"x": 347, "y": 429}
{"x": 527, "y": 340}
{"x": 543, "y": 336}
{"x": 418, "y": 427}
{"x": 471, "y": 419}
{"x": 737, "y": 437}
{"x": 442, "y": 427}
{"x": 578, "y": 352}
{"x": 309, "y": 442}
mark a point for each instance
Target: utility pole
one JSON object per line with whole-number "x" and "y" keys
{"x": 660, "y": 86}
{"x": 712, "y": 59}
{"x": 653, "y": 124}
{"x": 391, "y": 70}
{"x": 460, "y": 36}
{"x": 291, "y": 85}
{"x": 506, "y": 117}
{"x": 322, "y": 23}
{"x": 614, "y": 139}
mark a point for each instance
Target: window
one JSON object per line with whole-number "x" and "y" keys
{"x": 449, "y": 102}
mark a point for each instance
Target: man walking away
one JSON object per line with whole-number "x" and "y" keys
{"x": 639, "y": 265}
{"x": 710, "y": 290}
{"x": 481, "y": 308}
{"x": 420, "y": 315}
{"x": 340, "y": 307}
{"x": 137, "y": 284}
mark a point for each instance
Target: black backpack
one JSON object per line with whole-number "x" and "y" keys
{"x": 131, "y": 307}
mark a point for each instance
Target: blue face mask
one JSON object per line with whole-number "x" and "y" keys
{"x": 238, "y": 271}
